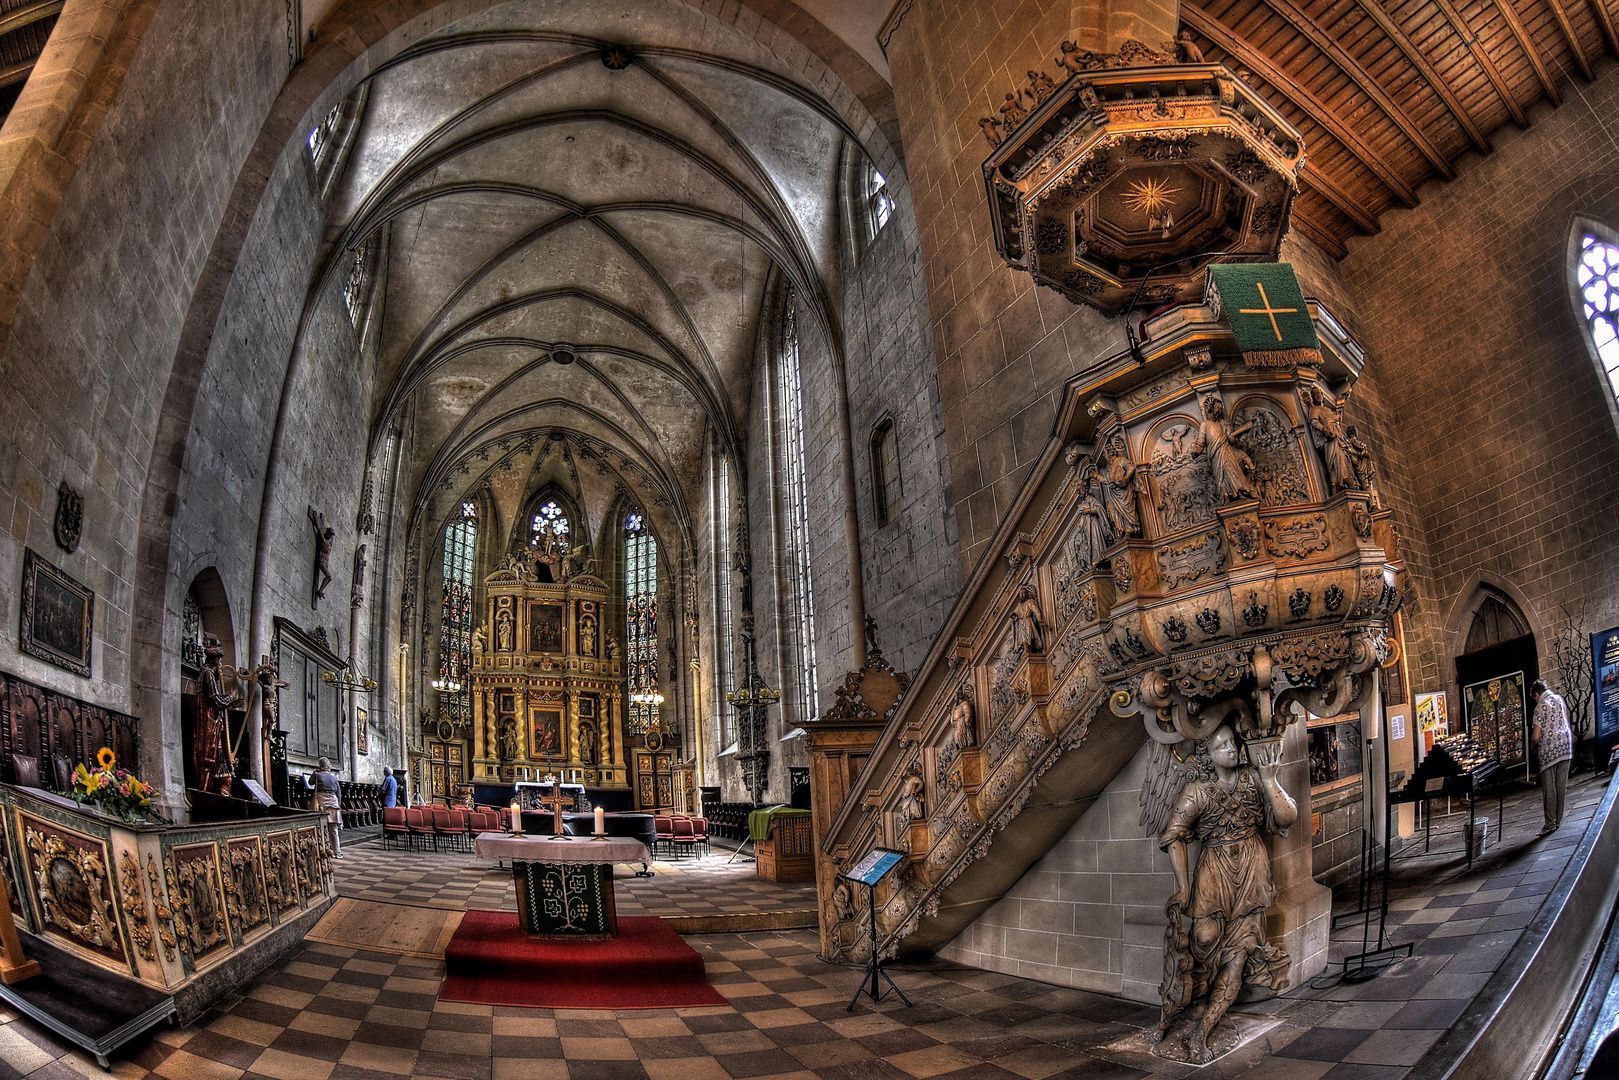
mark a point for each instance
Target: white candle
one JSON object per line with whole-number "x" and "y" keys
{"x": 517, "y": 816}
{"x": 601, "y": 821}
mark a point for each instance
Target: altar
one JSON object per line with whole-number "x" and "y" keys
{"x": 564, "y": 886}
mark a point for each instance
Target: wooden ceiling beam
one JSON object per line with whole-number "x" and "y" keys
{"x": 17, "y": 18}
{"x": 1323, "y": 185}
{"x": 1321, "y": 235}
{"x": 1302, "y": 99}
{"x": 16, "y": 73}
{"x": 1303, "y": 24}
{"x": 1571, "y": 38}
{"x": 1440, "y": 85}
{"x": 1509, "y": 13}
{"x": 1605, "y": 22}
{"x": 1492, "y": 73}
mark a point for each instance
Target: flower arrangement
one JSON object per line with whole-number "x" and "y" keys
{"x": 112, "y": 790}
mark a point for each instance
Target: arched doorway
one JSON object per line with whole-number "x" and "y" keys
{"x": 1497, "y": 663}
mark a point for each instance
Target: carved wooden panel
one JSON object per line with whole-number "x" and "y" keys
{"x": 246, "y": 892}
{"x": 281, "y": 866}
{"x": 70, "y": 878}
{"x": 198, "y": 897}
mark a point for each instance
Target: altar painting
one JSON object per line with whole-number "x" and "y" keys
{"x": 546, "y": 733}
{"x": 545, "y": 628}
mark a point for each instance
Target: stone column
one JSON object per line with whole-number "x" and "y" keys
{"x": 1301, "y": 916}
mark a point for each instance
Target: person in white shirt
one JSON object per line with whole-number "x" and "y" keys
{"x": 1554, "y": 742}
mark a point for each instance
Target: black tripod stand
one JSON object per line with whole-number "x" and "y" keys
{"x": 869, "y": 983}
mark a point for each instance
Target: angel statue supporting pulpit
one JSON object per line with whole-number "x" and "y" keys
{"x": 1215, "y": 938}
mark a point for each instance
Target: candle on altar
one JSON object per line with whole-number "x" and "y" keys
{"x": 601, "y": 822}
{"x": 517, "y": 818}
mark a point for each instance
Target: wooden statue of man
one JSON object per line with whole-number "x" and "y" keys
{"x": 210, "y": 756}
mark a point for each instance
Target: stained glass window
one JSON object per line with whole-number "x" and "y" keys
{"x": 801, "y": 582}
{"x": 1598, "y": 276}
{"x": 551, "y": 524}
{"x": 455, "y": 622}
{"x": 641, "y": 621}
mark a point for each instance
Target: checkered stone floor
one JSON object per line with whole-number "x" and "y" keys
{"x": 709, "y": 885}
{"x": 333, "y": 1012}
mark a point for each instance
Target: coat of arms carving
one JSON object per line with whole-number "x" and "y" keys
{"x": 69, "y": 517}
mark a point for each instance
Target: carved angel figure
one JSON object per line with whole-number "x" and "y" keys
{"x": 1215, "y": 938}
{"x": 1012, "y": 111}
{"x": 1365, "y": 467}
{"x": 1072, "y": 59}
{"x": 1040, "y": 85}
{"x": 991, "y": 129}
{"x": 480, "y": 641}
{"x": 1186, "y": 50}
{"x": 1122, "y": 482}
{"x": 1327, "y": 424}
{"x": 1230, "y": 466}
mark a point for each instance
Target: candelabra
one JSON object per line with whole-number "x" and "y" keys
{"x": 751, "y": 699}
{"x": 349, "y": 679}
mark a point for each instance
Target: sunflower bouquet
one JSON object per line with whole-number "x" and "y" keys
{"x": 112, "y": 790}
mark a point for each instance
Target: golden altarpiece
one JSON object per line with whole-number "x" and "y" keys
{"x": 547, "y": 682}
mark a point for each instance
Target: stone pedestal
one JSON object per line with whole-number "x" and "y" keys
{"x": 1301, "y": 917}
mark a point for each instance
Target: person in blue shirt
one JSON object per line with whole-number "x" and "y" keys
{"x": 390, "y": 787}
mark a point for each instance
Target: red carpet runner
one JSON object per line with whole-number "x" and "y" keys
{"x": 490, "y": 961}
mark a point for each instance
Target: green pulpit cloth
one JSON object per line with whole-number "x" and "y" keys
{"x": 1268, "y": 315}
{"x": 760, "y": 821}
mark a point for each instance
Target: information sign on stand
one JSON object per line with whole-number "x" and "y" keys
{"x": 1433, "y": 722}
{"x": 1605, "y": 678}
{"x": 870, "y": 871}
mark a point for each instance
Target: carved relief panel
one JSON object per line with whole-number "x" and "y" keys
{"x": 281, "y": 888}
{"x": 69, "y": 875}
{"x": 198, "y": 895}
{"x": 1182, "y": 483}
{"x": 1270, "y": 441}
{"x": 246, "y": 894}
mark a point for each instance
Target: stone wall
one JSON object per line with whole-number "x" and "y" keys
{"x": 1468, "y": 304}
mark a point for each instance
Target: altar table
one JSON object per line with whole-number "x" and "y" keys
{"x": 564, "y": 887}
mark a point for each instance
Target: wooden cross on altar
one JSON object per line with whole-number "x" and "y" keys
{"x": 554, "y": 800}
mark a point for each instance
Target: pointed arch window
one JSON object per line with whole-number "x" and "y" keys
{"x": 551, "y": 528}
{"x": 455, "y": 621}
{"x": 1597, "y": 274}
{"x": 879, "y": 203}
{"x": 641, "y": 621}
{"x": 801, "y": 580}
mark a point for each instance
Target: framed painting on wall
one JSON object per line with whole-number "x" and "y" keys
{"x": 362, "y": 731}
{"x": 545, "y": 628}
{"x": 57, "y": 616}
{"x": 547, "y": 733}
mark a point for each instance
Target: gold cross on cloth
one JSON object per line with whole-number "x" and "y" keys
{"x": 1268, "y": 310}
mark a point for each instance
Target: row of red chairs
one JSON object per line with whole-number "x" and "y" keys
{"x": 681, "y": 835}
{"x": 423, "y": 824}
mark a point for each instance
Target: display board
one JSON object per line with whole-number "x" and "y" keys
{"x": 1433, "y": 721}
{"x": 877, "y": 864}
{"x": 1605, "y": 678}
{"x": 1496, "y": 719}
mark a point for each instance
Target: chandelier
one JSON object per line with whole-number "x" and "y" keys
{"x": 349, "y": 679}
{"x": 445, "y": 686}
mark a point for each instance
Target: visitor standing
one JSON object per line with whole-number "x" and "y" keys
{"x": 1554, "y": 742}
{"x": 327, "y": 799}
{"x": 390, "y": 787}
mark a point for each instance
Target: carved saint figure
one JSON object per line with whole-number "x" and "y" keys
{"x": 587, "y": 636}
{"x": 1031, "y": 631}
{"x": 1090, "y": 528}
{"x": 991, "y": 129}
{"x": 1224, "y": 807}
{"x": 587, "y": 743}
{"x": 964, "y": 728}
{"x": 480, "y": 641}
{"x": 1327, "y": 423}
{"x": 910, "y": 802}
{"x": 265, "y": 676}
{"x": 1229, "y": 465}
{"x": 503, "y": 631}
{"x": 1365, "y": 467}
{"x": 323, "y": 554}
{"x": 357, "y": 582}
{"x": 1040, "y": 86}
{"x": 1122, "y": 512}
{"x": 508, "y": 739}
{"x": 612, "y": 648}
{"x": 210, "y": 754}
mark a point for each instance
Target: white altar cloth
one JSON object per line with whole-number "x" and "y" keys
{"x": 548, "y": 849}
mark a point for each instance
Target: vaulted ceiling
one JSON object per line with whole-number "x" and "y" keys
{"x": 1389, "y": 93}
{"x": 582, "y": 206}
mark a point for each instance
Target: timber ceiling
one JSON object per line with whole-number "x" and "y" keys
{"x": 24, "y": 27}
{"x": 1388, "y": 94}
